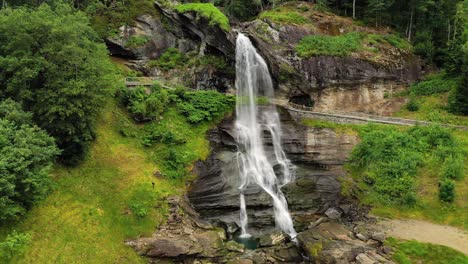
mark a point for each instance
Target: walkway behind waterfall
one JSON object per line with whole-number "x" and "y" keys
{"x": 335, "y": 116}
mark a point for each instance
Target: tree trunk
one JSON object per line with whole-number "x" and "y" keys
{"x": 354, "y": 9}
{"x": 410, "y": 31}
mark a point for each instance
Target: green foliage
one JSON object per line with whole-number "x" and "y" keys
{"x": 26, "y": 155}
{"x": 408, "y": 252}
{"x": 108, "y": 16}
{"x": 161, "y": 134}
{"x": 447, "y": 190}
{"x": 13, "y": 245}
{"x": 54, "y": 64}
{"x": 11, "y": 111}
{"x": 398, "y": 42}
{"x": 207, "y": 11}
{"x": 388, "y": 159}
{"x": 434, "y": 84}
{"x": 453, "y": 168}
{"x": 243, "y": 9}
{"x": 284, "y": 16}
{"x": 216, "y": 62}
{"x": 136, "y": 41}
{"x": 204, "y": 105}
{"x": 317, "y": 45}
{"x": 412, "y": 105}
{"x": 142, "y": 199}
{"x": 145, "y": 104}
{"x": 170, "y": 59}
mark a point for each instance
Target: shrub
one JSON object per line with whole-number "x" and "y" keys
{"x": 145, "y": 105}
{"x": 329, "y": 45}
{"x": 161, "y": 134}
{"x": 412, "y": 105}
{"x": 447, "y": 190}
{"x": 434, "y": 84}
{"x": 204, "y": 105}
{"x": 170, "y": 59}
{"x": 386, "y": 161}
{"x": 453, "y": 168}
{"x": 13, "y": 245}
{"x": 207, "y": 11}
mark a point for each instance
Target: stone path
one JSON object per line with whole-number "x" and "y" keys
{"x": 427, "y": 232}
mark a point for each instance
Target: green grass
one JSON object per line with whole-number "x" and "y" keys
{"x": 429, "y": 207}
{"x": 109, "y": 197}
{"x": 136, "y": 41}
{"x": 434, "y": 84}
{"x": 343, "y": 45}
{"x": 433, "y": 108}
{"x": 207, "y": 11}
{"x": 284, "y": 15}
{"x": 408, "y": 252}
{"x": 317, "y": 45}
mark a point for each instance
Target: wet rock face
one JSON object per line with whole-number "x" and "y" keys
{"x": 357, "y": 82}
{"x": 318, "y": 155}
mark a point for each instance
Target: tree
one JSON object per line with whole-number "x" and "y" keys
{"x": 377, "y": 7}
{"x": 55, "y": 65}
{"x": 26, "y": 155}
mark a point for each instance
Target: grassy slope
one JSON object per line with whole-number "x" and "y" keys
{"x": 88, "y": 217}
{"x": 429, "y": 207}
{"x": 407, "y": 252}
{"x": 433, "y": 108}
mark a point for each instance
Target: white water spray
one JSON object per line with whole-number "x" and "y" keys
{"x": 255, "y": 115}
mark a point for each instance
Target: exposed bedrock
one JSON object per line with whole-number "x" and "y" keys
{"x": 318, "y": 154}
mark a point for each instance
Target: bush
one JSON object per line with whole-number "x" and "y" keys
{"x": 204, "y": 105}
{"x": 161, "y": 134}
{"x": 434, "y": 84}
{"x": 447, "y": 190}
{"x": 412, "y": 105}
{"x": 453, "y": 168}
{"x": 329, "y": 45}
{"x": 170, "y": 59}
{"x": 207, "y": 11}
{"x": 144, "y": 104}
{"x": 387, "y": 160}
{"x": 13, "y": 245}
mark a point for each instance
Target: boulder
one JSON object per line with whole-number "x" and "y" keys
{"x": 333, "y": 213}
{"x": 234, "y": 246}
{"x": 268, "y": 240}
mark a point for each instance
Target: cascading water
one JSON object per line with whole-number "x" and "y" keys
{"x": 255, "y": 115}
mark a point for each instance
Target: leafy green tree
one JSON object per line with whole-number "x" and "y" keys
{"x": 54, "y": 64}
{"x": 447, "y": 190}
{"x": 26, "y": 155}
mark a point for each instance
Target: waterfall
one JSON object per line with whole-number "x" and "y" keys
{"x": 255, "y": 116}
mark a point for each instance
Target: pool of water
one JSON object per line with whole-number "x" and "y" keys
{"x": 249, "y": 242}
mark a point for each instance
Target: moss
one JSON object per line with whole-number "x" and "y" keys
{"x": 136, "y": 41}
{"x": 315, "y": 250}
{"x": 286, "y": 72}
{"x": 207, "y": 11}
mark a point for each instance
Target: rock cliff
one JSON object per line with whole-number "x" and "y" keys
{"x": 317, "y": 153}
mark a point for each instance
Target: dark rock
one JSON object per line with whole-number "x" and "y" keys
{"x": 273, "y": 239}
{"x": 379, "y": 236}
{"x": 386, "y": 250}
{"x": 233, "y": 246}
{"x": 333, "y": 213}
{"x": 362, "y": 237}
